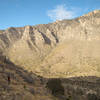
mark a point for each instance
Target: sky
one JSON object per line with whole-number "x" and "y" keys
{"x": 18, "y": 13}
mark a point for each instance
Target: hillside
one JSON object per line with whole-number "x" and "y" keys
{"x": 28, "y": 86}
{"x": 67, "y": 48}
{"x": 22, "y": 85}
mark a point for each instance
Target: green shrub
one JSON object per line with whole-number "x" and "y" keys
{"x": 55, "y": 86}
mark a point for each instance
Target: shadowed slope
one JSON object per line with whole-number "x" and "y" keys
{"x": 24, "y": 85}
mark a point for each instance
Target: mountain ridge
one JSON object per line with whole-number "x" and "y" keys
{"x": 42, "y": 48}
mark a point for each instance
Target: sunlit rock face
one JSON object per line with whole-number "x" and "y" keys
{"x": 59, "y": 49}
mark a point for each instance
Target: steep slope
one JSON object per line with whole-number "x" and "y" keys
{"x": 79, "y": 53}
{"x": 28, "y": 86}
{"x": 18, "y": 84}
{"x": 59, "y": 49}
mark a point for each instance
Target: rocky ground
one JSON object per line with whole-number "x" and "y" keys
{"x": 24, "y": 85}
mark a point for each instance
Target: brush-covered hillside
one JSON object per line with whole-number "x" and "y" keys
{"x": 19, "y": 84}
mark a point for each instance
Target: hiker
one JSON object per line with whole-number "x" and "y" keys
{"x": 9, "y": 80}
{"x": 3, "y": 68}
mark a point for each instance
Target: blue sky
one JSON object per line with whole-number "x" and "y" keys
{"x": 18, "y": 13}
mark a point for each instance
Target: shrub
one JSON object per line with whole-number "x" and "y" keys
{"x": 92, "y": 97}
{"x": 55, "y": 86}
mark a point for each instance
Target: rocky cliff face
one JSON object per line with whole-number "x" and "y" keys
{"x": 59, "y": 49}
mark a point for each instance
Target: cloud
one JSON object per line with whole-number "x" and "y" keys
{"x": 61, "y": 12}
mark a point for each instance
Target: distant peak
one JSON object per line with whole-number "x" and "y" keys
{"x": 96, "y": 11}
{"x": 92, "y": 13}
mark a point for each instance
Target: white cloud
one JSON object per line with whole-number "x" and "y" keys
{"x": 61, "y": 12}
